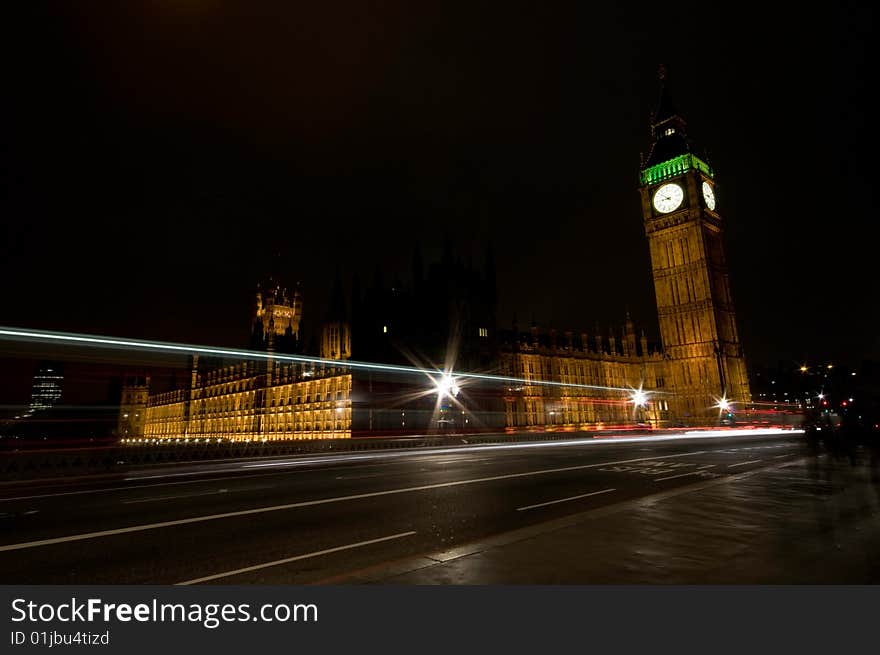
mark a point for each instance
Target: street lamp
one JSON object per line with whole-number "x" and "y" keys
{"x": 446, "y": 386}
{"x": 725, "y": 410}
{"x": 639, "y": 398}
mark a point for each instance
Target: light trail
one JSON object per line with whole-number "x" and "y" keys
{"x": 734, "y": 432}
{"x": 97, "y": 341}
{"x": 332, "y": 458}
{"x": 611, "y": 439}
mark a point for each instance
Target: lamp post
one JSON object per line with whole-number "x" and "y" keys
{"x": 639, "y": 400}
{"x": 721, "y": 377}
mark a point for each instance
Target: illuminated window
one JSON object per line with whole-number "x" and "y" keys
{"x": 384, "y": 329}
{"x": 483, "y": 332}
{"x": 669, "y": 130}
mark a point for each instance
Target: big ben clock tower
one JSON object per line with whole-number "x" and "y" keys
{"x": 706, "y": 369}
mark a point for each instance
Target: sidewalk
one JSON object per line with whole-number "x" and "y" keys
{"x": 813, "y": 521}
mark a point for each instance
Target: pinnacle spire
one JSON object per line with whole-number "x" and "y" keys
{"x": 337, "y": 300}
{"x": 668, "y": 128}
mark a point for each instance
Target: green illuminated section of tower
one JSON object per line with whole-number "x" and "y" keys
{"x": 674, "y": 167}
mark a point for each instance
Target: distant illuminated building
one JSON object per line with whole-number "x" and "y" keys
{"x": 133, "y": 406}
{"x": 46, "y": 392}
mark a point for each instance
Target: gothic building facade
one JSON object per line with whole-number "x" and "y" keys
{"x": 446, "y": 320}
{"x": 698, "y": 375}
{"x": 269, "y": 398}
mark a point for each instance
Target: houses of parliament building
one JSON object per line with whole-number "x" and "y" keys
{"x": 535, "y": 379}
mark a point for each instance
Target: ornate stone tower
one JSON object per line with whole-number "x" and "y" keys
{"x": 683, "y": 224}
{"x": 336, "y": 332}
{"x": 278, "y": 315}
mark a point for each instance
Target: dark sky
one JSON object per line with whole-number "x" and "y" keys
{"x": 156, "y": 156}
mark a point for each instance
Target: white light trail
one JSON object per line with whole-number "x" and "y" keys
{"x": 91, "y": 340}
{"x": 740, "y": 432}
{"x": 588, "y": 441}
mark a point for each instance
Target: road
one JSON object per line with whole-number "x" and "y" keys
{"x": 319, "y": 519}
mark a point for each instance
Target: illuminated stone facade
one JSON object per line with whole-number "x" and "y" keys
{"x": 277, "y": 319}
{"x": 580, "y": 367}
{"x": 254, "y": 401}
{"x": 263, "y": 400}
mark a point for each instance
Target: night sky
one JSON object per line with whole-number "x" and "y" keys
{"x": 158, "y": 157}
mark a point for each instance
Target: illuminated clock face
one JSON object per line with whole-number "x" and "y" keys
{"x": 709, "y": 195}
{"x": 668, "y": 198}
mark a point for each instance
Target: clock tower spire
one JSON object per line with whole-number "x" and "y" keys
{"x": 694, "y": 305}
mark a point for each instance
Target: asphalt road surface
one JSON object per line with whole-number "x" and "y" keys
{"x": 324, "y": 518}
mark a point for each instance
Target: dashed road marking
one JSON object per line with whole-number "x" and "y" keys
{"x": 287, "y": 560}
{"x": 702, "y": 473}
{"x": 563, "y": 500}
{"x": 751, "y": 461}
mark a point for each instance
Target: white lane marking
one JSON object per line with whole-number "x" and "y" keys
{"x": 310, "y": 503}
{"x": 780, "y": 456}
{"x": 12, "y": 515}
{"x": 563, "y": 500}
{"x": 287, "y": 560}
{"x": 672, "y": 477}
{"x": 751, "y": 461}
{"x": 371, "y": 475}
{"x": 458, "y": 460}
{"x": 701, "y": 471}
{"x": 153, "y": 499}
